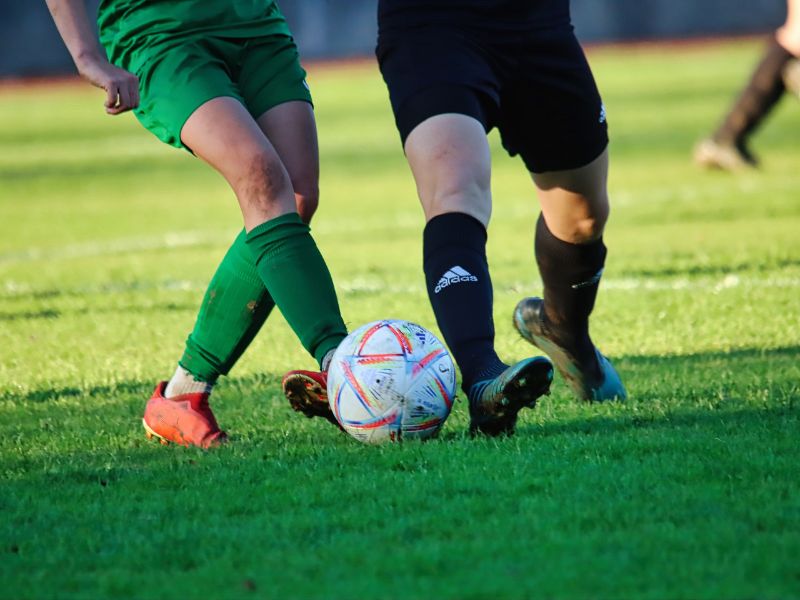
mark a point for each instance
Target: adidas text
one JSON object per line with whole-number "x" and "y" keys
{"x": 454, "y": 275}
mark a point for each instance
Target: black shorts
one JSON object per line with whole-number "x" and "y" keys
{"x": 536, "y": 88}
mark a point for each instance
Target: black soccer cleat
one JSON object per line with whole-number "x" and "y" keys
{"x": 530, "y": 322}
{"x": 495, "y": 403}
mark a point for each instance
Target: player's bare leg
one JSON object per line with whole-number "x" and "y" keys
{"x": 179, "y": 410}
{"x": 571, "y": 254}
{"x": 575, "y": 202}
{"x": 291, "y": 129}
{"x": 449, "y": 157}
{"x": 223, "y": 133}
{"x": 778, "y": 70}
{"x": 788, "y": 36}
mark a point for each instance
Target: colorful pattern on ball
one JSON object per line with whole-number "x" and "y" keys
{"x": 391, "y": 380}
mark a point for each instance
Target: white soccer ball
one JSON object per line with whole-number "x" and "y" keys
{"x": 391, "y": 380}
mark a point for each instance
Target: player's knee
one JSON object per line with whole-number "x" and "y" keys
{"x": 264, "y": 179}
{"x": 584, "y": 222}
{"x": 588, "y": 229}
{"x": 474, "y": 201}
{"x": 789, "y": 37}
{"x": 457, "y": 188}
{"x": 307, "y": 201}
{"x": 590, "y": 226}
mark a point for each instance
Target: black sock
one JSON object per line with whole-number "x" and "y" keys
{"x": 460, "y": 291}
{"x": 763, "y": 91}
{"x": 571, "y": 275}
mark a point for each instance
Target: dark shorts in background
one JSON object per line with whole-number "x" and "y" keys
{"x": 536, "y": 87}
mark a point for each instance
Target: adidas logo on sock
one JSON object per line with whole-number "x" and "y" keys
{"x": 454, "y": 275}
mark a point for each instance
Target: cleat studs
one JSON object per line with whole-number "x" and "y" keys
{"x": 148, "y": 435}
{"x": 164, "y": 442}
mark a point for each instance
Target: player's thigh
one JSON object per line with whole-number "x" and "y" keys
{"x": 291, "y": 129}
{"x": 553, "y": 117}
{"x": 223, "y": 133}
{"x": 444, "y": 97}
{"x": 271, "y": 74}
{"x": 789, "y": 34}
{"x": 274, "y": 88}
{"x": 793, "y": 14}
{"x": 552, "y": 114}
{"x": 436, "y": 71}
{"x": 449, "y": 157}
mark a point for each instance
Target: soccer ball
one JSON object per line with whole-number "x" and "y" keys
{"x": 391, "y": 380}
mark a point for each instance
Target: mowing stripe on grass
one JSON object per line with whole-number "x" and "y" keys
{"x": 15, "y": 289}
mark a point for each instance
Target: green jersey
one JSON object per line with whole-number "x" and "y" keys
{"x": 131, "y": 25}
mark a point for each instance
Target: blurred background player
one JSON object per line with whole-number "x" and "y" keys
{"x": 222, "y": 79}
{"x": 454, "y": 71}
{"x": 778, "y": 70}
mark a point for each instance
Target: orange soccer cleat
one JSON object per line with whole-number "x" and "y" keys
{"x": 186, "y": 419}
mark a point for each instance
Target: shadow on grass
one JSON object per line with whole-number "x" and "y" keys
{"x": 700, "y": 359}
{"x": 691, "y": 419}
{"x": 121, "y": 168}
{"x": 647, "y": 370}
{"x": 107, "y": 289}
{"x": 276, "y": 451}
{"x": 30, "y": 315}
{"x": 760, "y": 390}
{"x": 88, "y": 442}
{"x": 95, "y": 310}
{"x": 695, "y": 270}
{"x": 142, "y": 389}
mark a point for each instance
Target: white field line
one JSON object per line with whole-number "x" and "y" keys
{"x": 11, "y": 289}
{"x": 622, "y": 284}
{"x": 119, "y": 246}
{"x": 188, "y": 239}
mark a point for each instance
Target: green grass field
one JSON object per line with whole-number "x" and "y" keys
{"x": 691, "y": 489}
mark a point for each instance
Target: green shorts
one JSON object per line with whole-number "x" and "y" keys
{"x": 177, "y": 76}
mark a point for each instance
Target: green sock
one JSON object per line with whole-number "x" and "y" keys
{"x": 297, "y": 277}
{"x": 234, "y": 308}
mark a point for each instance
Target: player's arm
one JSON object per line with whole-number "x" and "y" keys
{"x": 122, "y": 87}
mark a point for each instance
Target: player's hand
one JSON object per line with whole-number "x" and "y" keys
{"x": 122, "y": 87}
